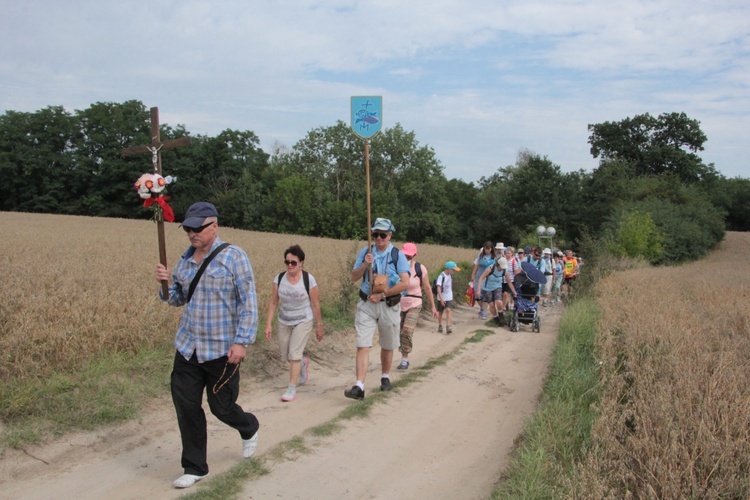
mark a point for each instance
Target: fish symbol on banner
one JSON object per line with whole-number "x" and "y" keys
{"x": 366, "y": 115}
{"x": 369, "y": 118}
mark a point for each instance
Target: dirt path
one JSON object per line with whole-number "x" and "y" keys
{"x": 446, "y": 436}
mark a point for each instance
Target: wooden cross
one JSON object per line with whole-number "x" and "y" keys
{"x": 155, "y": 149}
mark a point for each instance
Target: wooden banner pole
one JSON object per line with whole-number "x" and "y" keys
{"x": 369, "y": 218}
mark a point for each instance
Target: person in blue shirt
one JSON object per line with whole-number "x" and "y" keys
{"x": 484, "y": 260}
{"x": 378, "y": 310}
{"x": 491, "y": 287}
{"x": 536, "y": 260}
{"x": 218, "y": 322}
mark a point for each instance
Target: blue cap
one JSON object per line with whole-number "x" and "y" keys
{"x": 452, "y": 265}
{"x": 198, "y": 213}
{"x": 383, "y": 225}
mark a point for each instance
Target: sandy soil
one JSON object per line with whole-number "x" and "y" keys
{"x": 447, "y": 436}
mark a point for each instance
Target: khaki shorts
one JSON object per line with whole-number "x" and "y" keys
{"x": 293, "y": 340}
{"x": 381, "y": 317}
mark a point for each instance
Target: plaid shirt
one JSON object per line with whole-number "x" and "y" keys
{"x": 223, "y": 310}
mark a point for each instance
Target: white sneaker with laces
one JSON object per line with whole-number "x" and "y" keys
{"x": 249, "y": 446}
{"x": 187, "y": 480}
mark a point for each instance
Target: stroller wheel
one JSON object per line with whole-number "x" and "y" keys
{"x": 538, "y": 325}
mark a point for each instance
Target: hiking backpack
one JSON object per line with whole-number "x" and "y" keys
{"x": 434, "y": 285}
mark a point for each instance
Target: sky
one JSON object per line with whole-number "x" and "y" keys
{"x": 477, "y": 81}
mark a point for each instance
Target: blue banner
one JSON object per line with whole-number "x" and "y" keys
{"x": 367, "y": 115}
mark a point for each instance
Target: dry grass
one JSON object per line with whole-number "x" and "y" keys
{"x": 675, "y": 410}
{"x": 73, "y": 288}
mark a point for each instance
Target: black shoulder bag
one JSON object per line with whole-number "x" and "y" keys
{"x": 203, "y": 267}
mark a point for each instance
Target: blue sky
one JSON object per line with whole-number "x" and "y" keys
{"x": 477, "y": 81}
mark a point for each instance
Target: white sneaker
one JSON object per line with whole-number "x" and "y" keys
{"x": 304, "y": 371}
{"x": 249, "y": 446}
{"x": 290, "y": 394}
{"x": 187, "y": 480}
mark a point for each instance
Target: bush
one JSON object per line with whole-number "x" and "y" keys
{"x": 689, "y": 229}
{"x": 637, "y": 237}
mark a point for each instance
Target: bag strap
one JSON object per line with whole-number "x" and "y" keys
{"x": 418, "y": 273}
{"x": 203, "y": 267}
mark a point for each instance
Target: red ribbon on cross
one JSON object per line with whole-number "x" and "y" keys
{"x": 162, "y": 202}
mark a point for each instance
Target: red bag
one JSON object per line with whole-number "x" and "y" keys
{"x": 470, "y": 299}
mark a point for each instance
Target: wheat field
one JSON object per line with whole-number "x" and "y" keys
{"x": 74, "y": 287}
{"x": 674, "y": 344}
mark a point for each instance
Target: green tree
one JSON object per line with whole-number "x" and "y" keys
{"x": 107, "y": 128}
{"x": 37, "y": 161}
{"x": 406, "y": 183}
{"x": 226, "y": 170}
{"x": 637, "y": 237}
{"x": 291, "y": 207}
{"x": 518, "y": 198}
{"x": 605, "y": 189}
{"x": 460, "y": 215}
{"x": 414, "y": 177}
{"x": 738, "y": 206}
{"x": 654, "y": 146}
{"x": 688, "y": 223}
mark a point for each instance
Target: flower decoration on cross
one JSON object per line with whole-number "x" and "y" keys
{"x": 150, "y": 188}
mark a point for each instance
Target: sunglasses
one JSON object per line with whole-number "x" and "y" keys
{"x": 196, "y": 230}
{"x": 292, "y": 263}
{"x": 382, "y": 236}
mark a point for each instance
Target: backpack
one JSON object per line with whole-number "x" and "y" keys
{"x": 418, "y": 272}
{"x": 305, "y": 280}
{"x": 434, "y": 285}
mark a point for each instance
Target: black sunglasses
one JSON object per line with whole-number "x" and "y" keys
{"x": 382, "y": 236}
{"x": 292, "y": 263}
{"x": 196, "y": 230}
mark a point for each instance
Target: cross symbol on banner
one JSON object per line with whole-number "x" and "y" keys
{"x": 155, "y": 149}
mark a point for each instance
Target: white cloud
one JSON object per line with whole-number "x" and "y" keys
{"x": 476, "y": 80}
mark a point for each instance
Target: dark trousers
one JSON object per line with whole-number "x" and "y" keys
{"x": 189, "y": 380}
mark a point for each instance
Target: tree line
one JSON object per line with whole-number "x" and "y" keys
{"x": 651, "y": 196}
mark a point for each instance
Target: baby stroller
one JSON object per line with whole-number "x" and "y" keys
{"x": 526, "y": 309}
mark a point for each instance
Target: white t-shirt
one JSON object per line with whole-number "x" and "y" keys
{"x": 446, "y": 282}
{"x": 294, "y": 303}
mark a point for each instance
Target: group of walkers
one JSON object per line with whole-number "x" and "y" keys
{"x": 214, "y": 281}
{"x": 496, "y": 268}
{"x": 215, "y": 284}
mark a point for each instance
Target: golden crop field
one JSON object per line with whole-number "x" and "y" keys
{"x": 675, "y": 410}
{"x": 73, "y": 287}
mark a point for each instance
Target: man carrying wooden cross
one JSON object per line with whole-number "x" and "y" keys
{"x": 215, "y": 283}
